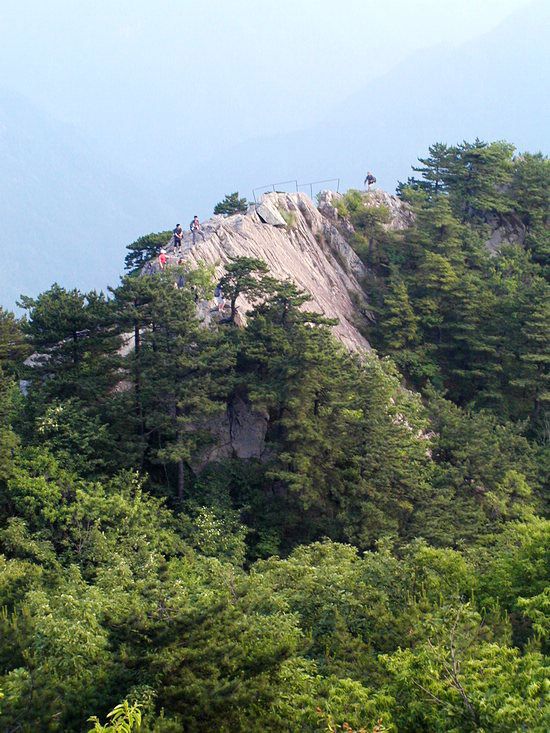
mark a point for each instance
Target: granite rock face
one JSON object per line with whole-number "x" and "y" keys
{"x": 505, "y": 230}
{"x": 306, "y": 244}
{"x": 300, "y": 243}
{"x": 400, "y": 213}
{"x": 237, "y": 433}
{"x": 297, "y": 242}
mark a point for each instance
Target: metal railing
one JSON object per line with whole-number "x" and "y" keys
{"x": 272, "y": 187}
{"x": 297, "y": 186}
{"x": 316, "y": 183}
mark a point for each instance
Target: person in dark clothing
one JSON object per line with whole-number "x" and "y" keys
{"x": 219, "y": 296}
{"x": 178, "y": 236}
{"x": 369, "y": 180}
{"x": 180, "y": 282}
{"x": 196, "y": 228}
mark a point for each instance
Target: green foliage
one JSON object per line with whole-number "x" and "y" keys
{"x": 515, "y": 575}
{"x": 484, "y": 476}
{"x": 144, "y": 250}
{"x": 480, "y": 174}
{"x": 457, "y": 681}
{"x": 368, "y": 221}
{"x": 13, "y": 347}
{"x": 350, "y": 203}
{"x": 74, "y": 341}
{"x": 124, "y": 718}
{"x": 435, "y": 168}
{"x": 216, "y": 533}
{"x": 80, "y": 441}
{"x": 244, "y": 276}
{"x": 378, "y": 561}
{"x": 178, "y": 370}
{"x": 289, "y": 217}
{"x": 480, "y": 322}
{"x": 201, "y": 280}
{"x": 231, "y": 204}
{"x": 475, "y": 175}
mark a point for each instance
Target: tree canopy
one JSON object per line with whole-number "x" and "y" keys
{"x": 231, "y": 204}
{"x": 222, "y": 528}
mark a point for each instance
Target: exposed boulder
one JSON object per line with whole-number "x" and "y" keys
{"x": 328, "y": 201}
{"x": 269, "y": 213}
{"x": 507, "y": 229}
{"x": 237, "y": 433}
{"x": 401, "y": 215}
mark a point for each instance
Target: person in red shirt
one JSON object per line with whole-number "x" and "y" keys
{"x": 162, "y": 259}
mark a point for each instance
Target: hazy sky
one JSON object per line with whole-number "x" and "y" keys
{"x": 141, "y": 111}
{"x": 130, "y": 72}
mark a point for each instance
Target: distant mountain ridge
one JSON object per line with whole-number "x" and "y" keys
{"x": 493, "y": 87}
{"x": 66, "y": 212}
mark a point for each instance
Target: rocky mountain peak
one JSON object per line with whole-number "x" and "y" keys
{"x": 303, "y": 242}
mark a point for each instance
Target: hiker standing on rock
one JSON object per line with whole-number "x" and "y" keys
{"x": 196, "y": 228}
{"x": 178, "y": 237}
{"x": 369, "y": 180}
{"x": 162, "y": 259}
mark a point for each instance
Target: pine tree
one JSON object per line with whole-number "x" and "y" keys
{"x": 144, "y": 250}
{"x": 435, "y": 168}
{"x": 13, "y": 346}
{"x": 534, "y": 379}
{"x": 469, "y": 346}
{"x": 184, "y": 373}
{"x": 436, "y": 283}
{"x": 479, "y": 179}
{"x": 75, "y": 343}
{"x": 531, "y": 188}
{"x": 398, "y": 324}
{"x": 231, "y": 204}
{"x": 243, "y": 276}
{"x": 531, "y": 195}
{"x": 439, "y": 231}
{"x": 134, "y": 308}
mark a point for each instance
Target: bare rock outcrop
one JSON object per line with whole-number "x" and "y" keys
{"x": 238, "y": 433}
{"x": 297, "y": 241}
{"x": 400, "y": 214}
{"x": 505, "y": 230}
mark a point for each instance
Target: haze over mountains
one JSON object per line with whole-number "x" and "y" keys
{"x": 493, "y": 88}
{"x": 69, "y": 204}
{"x": 66, "y": 212}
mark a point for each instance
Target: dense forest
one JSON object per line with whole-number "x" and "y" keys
{"x": 382, "y": 567}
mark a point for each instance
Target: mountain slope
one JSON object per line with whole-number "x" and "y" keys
{"x": 301, "y": 243}
{"x": 66, "y": 213}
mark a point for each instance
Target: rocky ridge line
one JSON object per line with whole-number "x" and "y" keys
{"x": 301, "y": 242}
